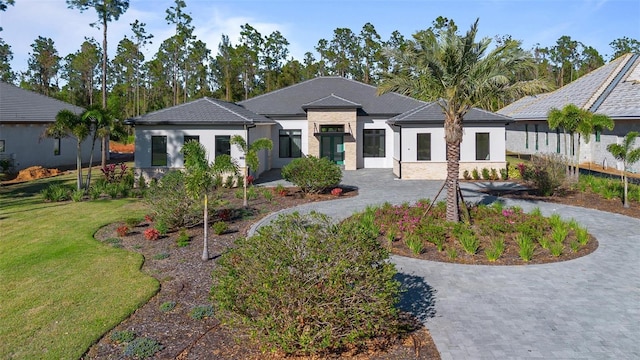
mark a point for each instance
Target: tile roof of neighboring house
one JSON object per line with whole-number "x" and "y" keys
{"x": 18, "y": 105}
{"x": 202, "y": 111}
{"x": 289, "y": 101}
{"x": 431, "y": 113}
{"x": 612, "y": 89}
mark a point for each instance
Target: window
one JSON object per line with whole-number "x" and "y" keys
{"x": 424, "y": 147}
{"x": 373, "y": 144}
{"x": 536, "y": 130}
{"x": 482, "y": 146}
{"x": 290, "y": 143}
{"x": 546, "y": 138}
{"x": 1, "y": 146}
{"x": 526, "y": 136}
{"x": 558, "y": 141}
{"x": 223, "y": 145}
{"x": 598, "y": 133}
{"x": 56, "y": 146}
{"x": 188, "y": 138}
{"x": 158, "y": 151}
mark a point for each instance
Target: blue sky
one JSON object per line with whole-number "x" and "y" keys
{"x": 303, "y": 22}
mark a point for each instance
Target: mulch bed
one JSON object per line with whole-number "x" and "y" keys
{"x": 186, "y": 279}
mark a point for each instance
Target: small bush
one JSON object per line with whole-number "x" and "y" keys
{"x": 313, "y": 175}
{"x": 495, "y": 251}
{"x": 452, "y": 253}
{"x": 151, "y": 234}
{"x": 167, "y": 306}
{"x": 486, "y": 175}
{"x": 494, "y": 175}
{"x": 220, "y": 227}
{"x": 228, "y": 182}
{"x": 267, "y": 194}
{"x": 547, "y": 173}
{"x": 475, "y": 174}
{"x": 142, "y": 348}
{"x": 582, "y": 236}
{"x": 504, "y": 174}
{"x": 124, "y": 336}
{"x": 336, "y": 191}
{"x": 77, "y": 195}
{"x": 170, "y": 205}
{"x": 202, "y": 311}
{"x": 132, "y": 222}
{"x": 556, "y": 248}
{"x": 57, "y": 193}
{"x": 415, "y": 244}
{"x": 122, "y": 230}
{"x": 96, "y": 191}
{"x": 526, "y": 247}
{"x": 183, "y": 238}
{"x": 281, "y": 190}
{"x": 275, "y": 282}
{"x": 466, "y": 175}
{"x": 162, "y": 227}
{"x": 469, "y": 242}
{"x": 161, "y": 256}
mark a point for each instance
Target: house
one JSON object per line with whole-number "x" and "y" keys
{"x": 334, "y": 117}
{"x": 612, "y": 90}
{"x": 24, "y": 116}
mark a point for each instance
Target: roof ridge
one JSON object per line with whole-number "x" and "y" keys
{"x": 215, "y": 102}
{"x": 598, "y": 96}
{"x": 281, "y": 89}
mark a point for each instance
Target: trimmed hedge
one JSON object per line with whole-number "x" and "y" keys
{"x": 313, "y": 175}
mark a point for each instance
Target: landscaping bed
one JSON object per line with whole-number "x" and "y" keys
{"x": 186, "y": 281}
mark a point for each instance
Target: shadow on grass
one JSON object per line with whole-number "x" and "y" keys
{"x": 418, "y": 297}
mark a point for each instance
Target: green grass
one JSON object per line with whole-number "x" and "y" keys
{"x": 60, "y": 289}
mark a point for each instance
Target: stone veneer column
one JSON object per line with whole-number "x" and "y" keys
{"x": 346, "y": 117}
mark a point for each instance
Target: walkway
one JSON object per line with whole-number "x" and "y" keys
{"x": 587, "y": 308}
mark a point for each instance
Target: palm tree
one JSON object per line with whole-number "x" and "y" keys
{"x": 628, "y": 155}
{"x": 200, "y": 179}
{"x": 250, "y": 153}
{"x": 69, "y": 124}
{"x": 459, "y": 73}
{"x": 590, "y": 123}
{"x": 100, "y": 122}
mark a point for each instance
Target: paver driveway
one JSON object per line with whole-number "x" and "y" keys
{"x": 587, "y": 308}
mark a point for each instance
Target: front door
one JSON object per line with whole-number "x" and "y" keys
{"x": 332, "y": 143}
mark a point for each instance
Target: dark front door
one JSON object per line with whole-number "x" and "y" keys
{"x": 332, "y": 147}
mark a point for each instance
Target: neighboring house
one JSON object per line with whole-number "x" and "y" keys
{"x": 334, "y": 117}
{"x": 612, "y": 90}
{"x": 24, "y": 116}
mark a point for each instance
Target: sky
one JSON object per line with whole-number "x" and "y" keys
{"x": 303, "y": 22}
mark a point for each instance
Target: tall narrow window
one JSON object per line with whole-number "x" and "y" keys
{"x": 290, "y": 143}
{"x": 598, "y": 133}
{"x": 188, "y": 138}
{"x": 536, "y": 130}
{"x": 526, "y": 136}
{"x": 56, "y": 146}
{"x": 373, "y": 144}
{"x": 546, "y": 138}
{"x": 482, "y": 146}
{"x": 424, "y": 147}
{"x": 158, "y": 151}
{"x": 223, "y": 145}
{"x": 1, "y": 146}
{"x": 558, "y": 141}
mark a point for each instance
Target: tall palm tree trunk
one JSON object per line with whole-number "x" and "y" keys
{"x": 79, "y": 164}
{"x": 453, "y": 171}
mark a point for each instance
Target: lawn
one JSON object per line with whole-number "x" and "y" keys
{"x": 61, "y": 290}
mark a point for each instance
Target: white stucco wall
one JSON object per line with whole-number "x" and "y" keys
{"x": 288, "y": 124}
{"x": 375, "y": 162}
{"x": 26, "y": 145}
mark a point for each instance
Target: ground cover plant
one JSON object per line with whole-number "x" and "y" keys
{"x": 493, "y": 234}
{"x": 61, "y": 290}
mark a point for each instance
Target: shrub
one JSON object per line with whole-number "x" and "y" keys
{"x": 201, "y": 311}
{"x": 57, "y": 192}
{"x": 312, "y": 174}
{"x": 526, "y": 247}
{"x": 228, "y": 182}
{"x": 504, "y": 174}
{"x": 582, "y": 236}
{"x": 252, "y": 193}
{"x": 142, "y": 183}
{"x": 151, "y": 234}
{"x": 336, "y": 191}
{"x": 556, "y": 249}
{"x": 547, "y": 173}
{"x": 122, "y": 230}
{"x": 167, "y": 306}
{"x": 124, "y": 336}
{"x": 96, "y": 191}
{"x": 217, "y": 181}
{"x": 475, "y": 174}
{"x": 495, "y": 251}
{"x": 77, "y": 195}
{"x": 469, "y": 242}
{"x": 142, "y": 348}
{"x": 486, "y": 175}
{"x": 162, "y": 227}
{"x": 220, "y": 227}
{"x": 494, "y": 174}
{"x": 267, "y": 194}
{"x": 452, "y": 253}
{"x": 276, "y": 281}
{"x": 170, "y": 204}
{"x": 132, "y": 222}
{"x": 183, "y": 238}
{"x": 415, "y": 244}
{"x": 466, "y": 175}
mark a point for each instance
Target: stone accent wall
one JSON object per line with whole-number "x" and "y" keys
{"x": 347, "y": 118}
{"x": 396, "y": 167}
{"x": 438, "y": 170}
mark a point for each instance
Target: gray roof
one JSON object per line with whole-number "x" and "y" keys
{"x": 19, "y": 105}
{"x": 200, "y": 112}
{"x": 431, "y": 113}
{"x": 331, "y": 102}
{"x": 613, "y": 90}
{"x": 290, "y": 101}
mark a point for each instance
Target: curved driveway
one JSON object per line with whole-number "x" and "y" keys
{"x": 587, "y": 308}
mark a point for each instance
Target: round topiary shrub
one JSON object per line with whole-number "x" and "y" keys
{"x": 306, "y": 286}
{"x": 313, "y": 175}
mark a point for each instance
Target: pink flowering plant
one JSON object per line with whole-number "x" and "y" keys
{"x": 336, "y": 191}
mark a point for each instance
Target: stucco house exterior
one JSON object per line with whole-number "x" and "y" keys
{"x": 24, "y": 116}
{"x": 612, "y": 90}
{"x": 334, "y": 117}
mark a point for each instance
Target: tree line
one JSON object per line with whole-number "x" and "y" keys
{"x": 184, "y": 68}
